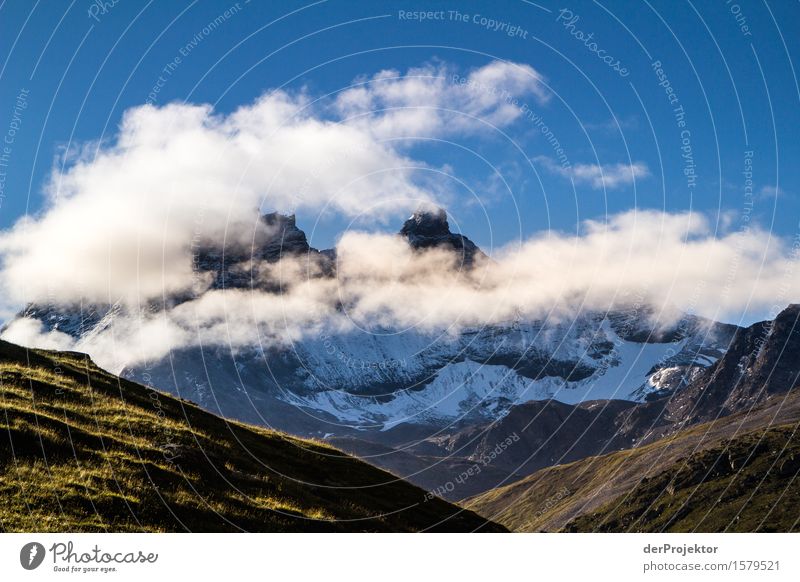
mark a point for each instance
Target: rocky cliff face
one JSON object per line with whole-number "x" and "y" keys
{"x": 275, "y": 237}
{"x": 762, "y": 360}
{"x": 761, "y": 365}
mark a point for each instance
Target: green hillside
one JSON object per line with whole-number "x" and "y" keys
{"x": 748, "y": 484}
{"x": 740, "y": 473}
{"x": 83, "y": 450}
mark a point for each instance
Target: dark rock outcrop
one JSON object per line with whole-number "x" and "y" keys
{"x": 427, "y": 229}
{"x": 276, "y": 237}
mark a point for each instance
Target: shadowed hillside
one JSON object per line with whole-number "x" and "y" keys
{"x": 83, "y": 450}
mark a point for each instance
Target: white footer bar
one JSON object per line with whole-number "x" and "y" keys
{"x": 390, "y": 557}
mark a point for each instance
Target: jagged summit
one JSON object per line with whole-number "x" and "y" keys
{"x": 277, "y": 236}
{"x": 278, "y": 220}
{"x": 426, "y": 223}
{"x": 428, "y": 228}
{"x": 281, "y": 236}
{"x": 792, "y": 311}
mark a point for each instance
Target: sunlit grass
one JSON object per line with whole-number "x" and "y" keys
{"x": 85, "y": 451}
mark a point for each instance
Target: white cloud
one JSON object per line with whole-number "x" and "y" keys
{"x": 123, "y": 215}
{"x": 435, "y": 100}
{"x": 598, "y": 176}
{"x": 670, "y": 261}
{"x": 31, "y": 332}
{"x": 120, "y": 223}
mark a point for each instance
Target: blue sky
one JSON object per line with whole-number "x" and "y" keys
{"x": 78, "y": 67}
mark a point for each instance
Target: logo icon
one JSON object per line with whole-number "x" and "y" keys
{"x": 31, "y": 555}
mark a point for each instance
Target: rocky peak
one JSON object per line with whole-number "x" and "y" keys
{"x": 789, "y": 317}
{"x": 281, "y": 236}
{"x": 276, "y": 236}
{"x": 428, "y": 228}
{"x": 426, "y": 223}
{"x": 280, "y": 221}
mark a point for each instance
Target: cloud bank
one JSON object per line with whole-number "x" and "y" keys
{"x": 670, "y": 262}
{"x": 123, "y": 222}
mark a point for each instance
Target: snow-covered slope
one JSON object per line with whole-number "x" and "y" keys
{"x": 411, "y": 377}
{"x": 331, "y": 384}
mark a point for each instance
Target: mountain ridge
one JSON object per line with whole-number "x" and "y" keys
{"x": 378, "y": 381}
{"x": 555, "y": 433}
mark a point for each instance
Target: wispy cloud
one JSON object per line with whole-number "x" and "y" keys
{"x": 124, "y": 218}
{"x": 598, "y": 176}
{"x": 771, "y": 192}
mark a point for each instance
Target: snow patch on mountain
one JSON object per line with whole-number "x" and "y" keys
{"x": 436, "y": 391}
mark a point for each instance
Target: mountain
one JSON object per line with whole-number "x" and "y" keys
{"x": 340, "y": 382}
{"x": 727, "y": 440}
{"x": 433, "y": 401}
{"x": 763, "y": 360}
{"x": 276, "y": 236}
{"x": 490, "y": 411}
{"x": 84, "y": 450}
{"x": 739, "y": 473}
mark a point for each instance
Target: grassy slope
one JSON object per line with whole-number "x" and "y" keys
{"x": 747, "y": 484}
{"x": 82, "y": 450}
{"x": 737, "y": 474}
